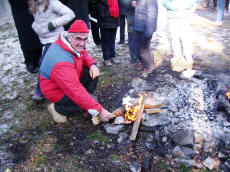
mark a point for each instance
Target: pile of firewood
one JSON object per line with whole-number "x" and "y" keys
{"x": 147, "y": 106}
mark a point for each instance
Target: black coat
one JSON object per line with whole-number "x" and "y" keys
{"x": 105, "y": 20}
{"x": 23, "y": 20}
{"x": 122, "y": 7}
{"x": 80, "y": 9}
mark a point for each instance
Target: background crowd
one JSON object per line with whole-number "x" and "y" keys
{"x": 40, "y": 22}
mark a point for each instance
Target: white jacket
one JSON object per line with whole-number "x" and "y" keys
{"x": 58, "y": 14}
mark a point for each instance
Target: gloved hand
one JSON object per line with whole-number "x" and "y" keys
{"x": 51, "y": 27}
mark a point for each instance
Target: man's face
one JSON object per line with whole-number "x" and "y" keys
{"x": 78, "y": 41}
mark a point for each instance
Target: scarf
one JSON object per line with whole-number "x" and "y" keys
{"x": 113, "y": 8}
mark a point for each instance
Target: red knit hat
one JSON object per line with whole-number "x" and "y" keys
{"x": 78, "y": 26}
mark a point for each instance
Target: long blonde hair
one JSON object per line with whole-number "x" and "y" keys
{"x": 32, "y": 5}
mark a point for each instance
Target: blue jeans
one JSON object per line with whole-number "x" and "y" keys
{"x": 220, "y": 11}
{"x": 108, "y": 37}
{"x": 38, "y": 89}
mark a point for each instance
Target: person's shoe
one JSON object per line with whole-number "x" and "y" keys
{"x": 37, "y": 97}
{"x": 121, "y": 42}
{"x": 140, "y": 66}
{"x": 114, "y": 60}
{"x": 31, "y": 68}
{"x": 107, "y": 63}
{"x": 216, "y": 23}
{"x": 132, "y": 61}
{"x": 58, "y": 118}
{"x": 146, "y": 72}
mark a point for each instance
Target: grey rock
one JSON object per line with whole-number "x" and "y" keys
{"x": 177, "y": 152}
{"x": 227, "y": 163}
{"x": 135, "y": 166}
{"x": 182, "y": 152}
{"x": 209, "y": 146}
{"x": 187, "y": 163}
{"x": 122, "y": 137}
{"x": 113, "y": 129}
{"x": 164, "y": 139}
{"x": 146, "y": 163}
{"x": 131, "y": 91}
{"x": 183, "y": 137}
{"x": 223, "y": 154}
{"x": 157, "y": 134}
{"x": 139, "y": 84}
{"x": 149, "y": 138}
{"x": 156, "y": 120}
{"x": 224, "y": 77}
{"x": 223, "y": 168}
{"x": 209, "y": 163}
{"x": 149, "y": 145}
{"x": 188, "y": 152}
{"x": 199, "y": 165}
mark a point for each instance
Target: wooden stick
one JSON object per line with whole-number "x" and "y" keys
{"x": 151, "y": 111}
{"x": 138, "y": 119}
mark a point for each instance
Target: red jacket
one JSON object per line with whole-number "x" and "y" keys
{"x": 60, "y": 73}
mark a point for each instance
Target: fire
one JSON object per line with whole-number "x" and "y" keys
{"x": 131, "y": 112}
{"x": 228, "y": 94}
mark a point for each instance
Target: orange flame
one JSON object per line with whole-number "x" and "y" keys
{"x": 228, "y": 94}
{"x": 131, "y": 113}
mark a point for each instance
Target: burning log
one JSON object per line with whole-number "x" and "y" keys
{"x": 118, "y": 112}
{"x": 138, "y": 118}
{"x": 152, "y": 111}
{"x": 151, "y": 103}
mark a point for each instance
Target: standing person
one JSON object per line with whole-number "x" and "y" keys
{"x": 220, "y": 12}
{"x": 80, "y": 9}
{"x": 49, "y": 18}
{"x": 226, "y": 5}
{"x": 95, "y": 30}
{"x": 108, "y": 13}
{"x": 122, "y": 16}
{"x": 179, "y": 12}
{"x": 29, "y": 41}
{"x": 131, "y": 34}
{"x": 69, "y": 75}
{"x": 146, "y": 12}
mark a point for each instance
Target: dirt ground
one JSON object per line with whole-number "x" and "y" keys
{"x": 34, "y": 142}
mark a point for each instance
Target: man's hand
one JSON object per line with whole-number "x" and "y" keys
{"x": 94, "y": 71}
{"x": 105, "y": 115}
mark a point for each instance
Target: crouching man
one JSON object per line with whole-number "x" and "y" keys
{"x": 69, "y": 75}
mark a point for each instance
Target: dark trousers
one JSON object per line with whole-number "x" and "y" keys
{"x": 95, "y": 32}
{"x": 122, "y": 28}
{"x": 38, "y": 89}
{"x": 32, "y": 57}
{"x": 226, "y": 5}
{"x": 142, "y": 51}
{"x": 66, "y": 106}
{"x": 108, "y": 37}
{"x": 131, "y": 43}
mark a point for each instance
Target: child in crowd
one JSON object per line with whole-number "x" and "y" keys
{"x": 49, "y": 18}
